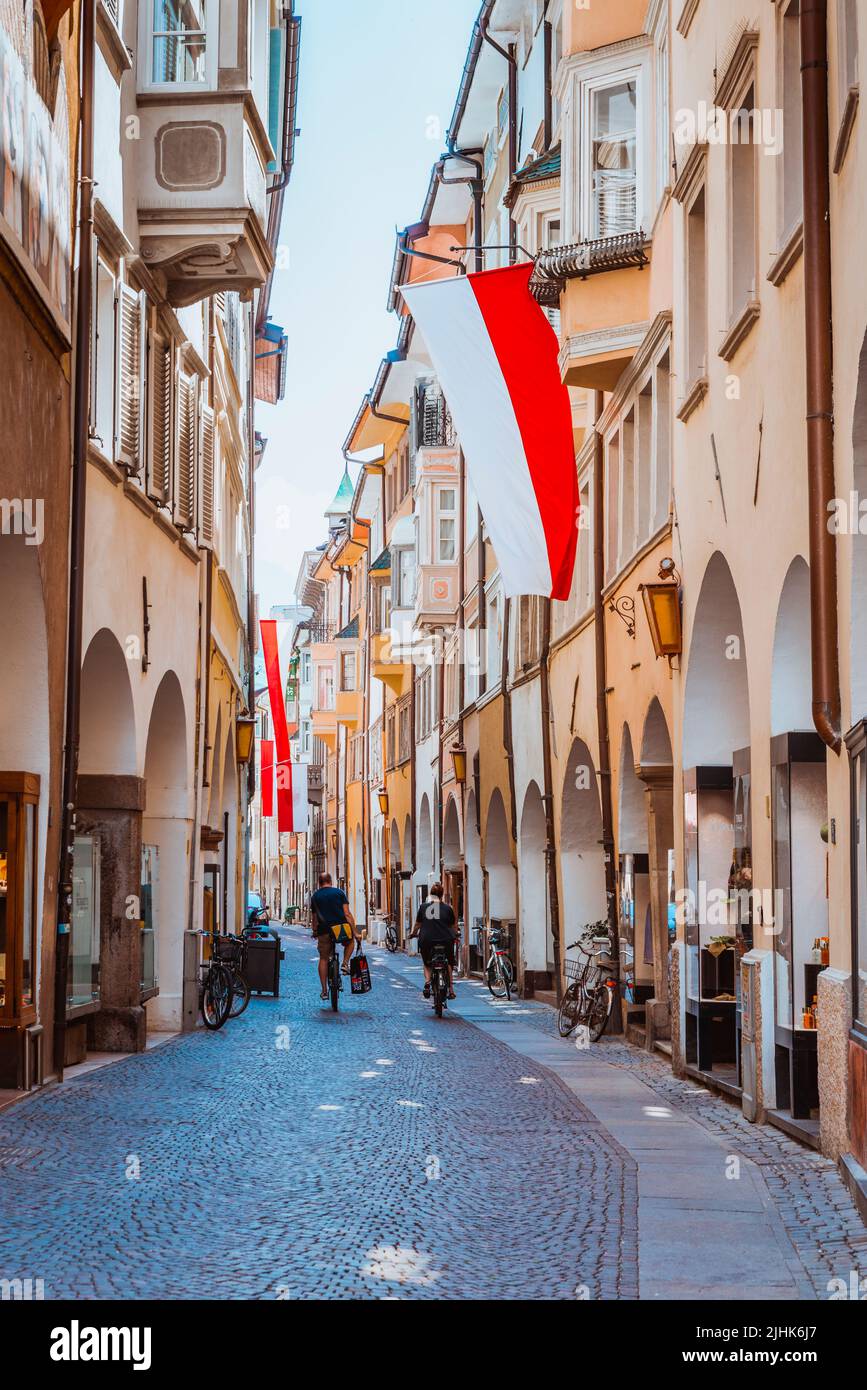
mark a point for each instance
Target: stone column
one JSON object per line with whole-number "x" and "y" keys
{"x": 659, "y": 795}
{"x": 835, "y": 1021}
{"x": 110, "y": 808}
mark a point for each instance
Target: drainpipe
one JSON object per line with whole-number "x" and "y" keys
{"x": 511, "y": 58}
{"x": 477, "y": 189}
{"x": 616, "y": 1024}
{"x": 78, "y": 511}
{"x": 819, "y": 361}
{"x": 550, "y": 837}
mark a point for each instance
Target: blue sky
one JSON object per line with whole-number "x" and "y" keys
{"x": 378, "y": 83}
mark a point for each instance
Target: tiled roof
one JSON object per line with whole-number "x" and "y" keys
{"x": 382, "y": 562}
{"x": 547, "y": 166}
{"x": 347, "y": 633}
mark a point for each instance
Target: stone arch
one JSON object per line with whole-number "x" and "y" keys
{"x": 424, "y": 848}
{"x": 502, "y": 903}
{"x": 108, "y": 731}
{"x": 166, "y": 829}
{"x": 537, "y": 943}
{"x": 655, "y": 738}
{"x": 716, "y": 673}
{"x": 452, "y": 846}
{"x": 791, "y": 673}
{"x": 582, "y": 860}
{"x": 473, "y": 857}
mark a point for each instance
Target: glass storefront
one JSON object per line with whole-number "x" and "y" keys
{"x": 83, "y": 983}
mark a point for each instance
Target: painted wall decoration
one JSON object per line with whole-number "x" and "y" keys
{"x": 34, "y": 167}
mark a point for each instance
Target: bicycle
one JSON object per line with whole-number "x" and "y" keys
{"x": 215, "y": 988}
{"x": 335, "y": 982}
{"x": 590, "y": 994}
{"x": 390, "y": 935}
{"x": 439, "y": 979}
{"x": 499, "y": 971}
{"x": 232, "y": 951}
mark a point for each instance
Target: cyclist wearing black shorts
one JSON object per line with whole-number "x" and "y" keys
{"x": 436, "y": 925}
{"x": 332, "y": 923}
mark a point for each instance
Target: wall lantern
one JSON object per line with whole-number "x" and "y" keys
{"x": 382, "y": 794}
{"x": 662, "y": 607}
{"x": 459, "y": 759}
{"x": 334, "y": 839}
{"x": 245, "y": 730}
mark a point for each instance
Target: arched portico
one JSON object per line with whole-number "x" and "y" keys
{"x": 166, "y": 833}
{"x": 537, "y": 945}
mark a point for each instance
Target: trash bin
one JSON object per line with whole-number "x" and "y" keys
{"x": 264, "y": 954}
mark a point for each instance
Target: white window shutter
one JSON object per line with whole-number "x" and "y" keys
{"x": 128, "y": 379}
{"x": 206, "y": 478}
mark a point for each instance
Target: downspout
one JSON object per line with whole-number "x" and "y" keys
{"x": 550, "y": 837}
{"x": 78, "y": 512}
{"x": 616, "y": 1025}
{"x": 510, "y": 56}
{"x": 477, "y": 189}
{"x": 547, "y": 39}
{"x": 819, "y": 363}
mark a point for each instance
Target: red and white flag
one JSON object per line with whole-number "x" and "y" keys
{"x": 291, "y": 777}
{"x": 495, "y": 354}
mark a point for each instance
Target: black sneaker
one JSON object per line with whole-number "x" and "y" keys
{"x": 426, "y": 991}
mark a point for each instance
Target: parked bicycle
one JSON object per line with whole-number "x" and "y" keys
{"x": 215, "y": 988}
{"x": 591, "y": 991}
{"x": 499, "y": 971}
{"x": 439, "y": 979}
{"x": 232, "y": 951}
{"x": 390, "y": 935}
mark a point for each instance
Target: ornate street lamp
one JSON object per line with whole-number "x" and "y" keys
{"x": 382, "y": 795}
{"x": 459, "y": 760}
{"x": 662, "y": 607}
{"x": 245, "y": 731}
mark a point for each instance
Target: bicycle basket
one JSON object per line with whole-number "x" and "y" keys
{"x": 228, "y": 948}
{"x": 575, "y": 969}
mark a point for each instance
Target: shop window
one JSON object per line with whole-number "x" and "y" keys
{"x": 19, "y": 800}
{"x": 84, "y": 947}
{"x": 150, "y": 917}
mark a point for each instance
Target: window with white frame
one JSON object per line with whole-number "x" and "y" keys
{"x": 306, "y": 738}
{"x": 423, "y": 708}
{"x": 791, "y": 191}
{"x": 180, "y": 41}
{"x": 102, "y": 392}
{"x": 446, "y": 522}
{"x": 638, "y": 463}
{"x": 325, "y": 688}
{"x": 662, "y": 118}
{"x": 614, "y": 136}
{"x": 565, "y": 615}
{"x": 556, "y": 22}
{"x": 528, "y": 634}
{"x": 472, "y": 661}
{"x": 348, "y": 669}
{"x": 609, "y": 145}
{"x": 403, "y": 565}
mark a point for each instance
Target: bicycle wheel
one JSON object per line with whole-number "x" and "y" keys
{"x": 508, "y": 976}
{"x": 216, "y": 997}
{"x": 598, "y": 1012}
{"x": 497, "y": 983}
{"x": 334, "y": 981}
{"x": 567, "y": 1018}
{"x": 391, "y": 940}
{"x": 439, "y": 993}
{"x": 240, "y": 994}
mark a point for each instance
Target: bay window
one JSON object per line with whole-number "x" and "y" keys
{"x": 610, "y": 142}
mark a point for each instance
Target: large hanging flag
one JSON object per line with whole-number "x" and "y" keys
{"x": 495, "y": 354}
{"x": 291, "y": 778}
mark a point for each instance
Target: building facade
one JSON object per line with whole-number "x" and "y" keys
{"x": 668, "y": 749}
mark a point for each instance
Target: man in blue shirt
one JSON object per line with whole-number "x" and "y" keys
{"x": 332, "y": 922}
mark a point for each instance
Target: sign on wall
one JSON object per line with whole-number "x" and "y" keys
{"x": 34, "y": 164}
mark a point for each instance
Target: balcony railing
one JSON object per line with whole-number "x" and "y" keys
{"x": 554, "y": 268}
{"x": 322, "y": 632}
{"x": 434, "y": 428}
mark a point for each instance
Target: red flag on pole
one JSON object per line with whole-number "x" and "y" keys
{"x": 285, "y": 820}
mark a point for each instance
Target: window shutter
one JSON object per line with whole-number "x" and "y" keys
{"x": 127, "y": 415}
{"x": 94, "y": 339}
{"x": 206, "y": 479}
{"x": 160, "y": 456}
{"x": 185, "y": 487}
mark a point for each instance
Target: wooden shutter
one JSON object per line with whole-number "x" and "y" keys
{"x": 128, "y": 378}
{"x": 185, "y": 484}
{"x": 160, "y": 452}
{"x": 206, "y": 478}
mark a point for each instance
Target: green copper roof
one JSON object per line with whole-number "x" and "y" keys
{"x": 343, "y": 499}
{"x": 382, "y": 563}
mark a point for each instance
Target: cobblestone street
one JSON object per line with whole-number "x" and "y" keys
{"x": 383, "y": 1153}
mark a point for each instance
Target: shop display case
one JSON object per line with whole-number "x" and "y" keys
{"x": 19, "y": 807}
{"x": 799, "y": 823}
{"x": 712, "y": 946}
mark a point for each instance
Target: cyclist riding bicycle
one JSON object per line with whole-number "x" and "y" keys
{"x": 436, "y": 925}
{"x": 332, "y": 923}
